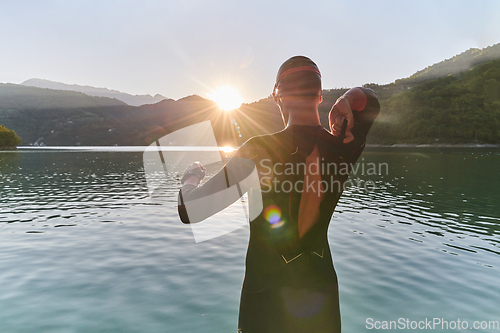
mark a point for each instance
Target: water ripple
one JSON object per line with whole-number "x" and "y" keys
{"x": 84, "y": 249}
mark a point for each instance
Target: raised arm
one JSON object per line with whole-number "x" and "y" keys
{"x": 360, "y": 107}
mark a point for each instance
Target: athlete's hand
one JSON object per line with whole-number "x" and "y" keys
{"x": 194, "y": 174}
{"x": 341, "y": 110}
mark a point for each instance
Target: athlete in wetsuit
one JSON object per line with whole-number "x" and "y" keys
{"x": 290, "y": 283}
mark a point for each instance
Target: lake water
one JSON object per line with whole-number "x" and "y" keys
{"x": 83, "y": 249}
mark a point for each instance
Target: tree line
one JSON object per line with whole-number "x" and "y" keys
{"x": 461, "y": 108}
{"x": 8, "y": 138}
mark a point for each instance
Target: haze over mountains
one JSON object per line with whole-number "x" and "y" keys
{"x": 134, "y": 100}
{"x": 67, "y": 118}
{"x": 454, "y": 101}
{"x": 459, "y": 63}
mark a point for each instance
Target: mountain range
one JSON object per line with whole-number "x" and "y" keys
{"x": 455, "y": 101}
{"x": 63, "y": 118}
{"x": 134, "y": 100}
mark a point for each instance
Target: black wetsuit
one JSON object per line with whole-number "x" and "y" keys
{"x": 290, "y": 283}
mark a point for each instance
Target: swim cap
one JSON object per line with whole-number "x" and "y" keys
{"x": 300, "y": 64}
{"x": 297, "y": 64}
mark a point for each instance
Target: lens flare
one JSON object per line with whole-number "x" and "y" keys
{"x": 233, "y": 121}
{"x": 272, "y": 214}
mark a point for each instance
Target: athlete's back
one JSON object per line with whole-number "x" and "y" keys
{"x": 290, "y": 283}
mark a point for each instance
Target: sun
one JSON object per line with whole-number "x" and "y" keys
{"x": 227, "y": 98}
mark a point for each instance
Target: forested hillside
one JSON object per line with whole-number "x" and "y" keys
{"x": 459, "y": 63}
{"x": 462, "y": 108}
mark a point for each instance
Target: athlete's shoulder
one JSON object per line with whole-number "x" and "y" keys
{"x": 262, "y": 140}
{"x": 260, "y": 145}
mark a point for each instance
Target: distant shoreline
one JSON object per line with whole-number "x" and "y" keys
{"x": 8, "y": 148}
{"x": 433, "y": 145}
{"x": 142, "y": 148}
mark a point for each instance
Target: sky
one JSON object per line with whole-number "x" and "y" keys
{"x": 181, "y": 48}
